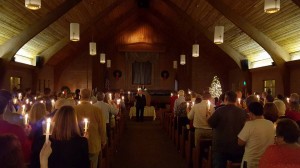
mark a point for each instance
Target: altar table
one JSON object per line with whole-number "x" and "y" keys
{"x": 149, "y": 111}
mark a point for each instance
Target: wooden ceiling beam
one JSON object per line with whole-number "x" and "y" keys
{"x": 47, "y": 54}
{"x": 236, "y": 56}
{"x": 9, "y": 49}
{"x": 277, "y": 53}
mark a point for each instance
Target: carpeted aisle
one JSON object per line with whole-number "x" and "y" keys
{"x": 146, "y": 145}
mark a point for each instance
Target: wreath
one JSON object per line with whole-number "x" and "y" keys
{"x": 164, "y": 74}
{"x": 117, "y": 74}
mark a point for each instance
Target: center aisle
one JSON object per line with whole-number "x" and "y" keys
{"x": 145, "y": 145}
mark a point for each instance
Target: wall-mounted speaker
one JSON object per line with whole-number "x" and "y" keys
{"x": 39, "y": 61}
{"x": 244, "y": 65}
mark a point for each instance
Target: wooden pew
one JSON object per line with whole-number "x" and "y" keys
{"x": 201, "y": 151}
{"x": 230, "y": 164}
{"x": 207, "y": 162}
{"x": 182, "y": 138}
{"x": 189, "y": 144}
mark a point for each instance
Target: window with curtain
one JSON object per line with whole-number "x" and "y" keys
{"x": 141, "y": 73}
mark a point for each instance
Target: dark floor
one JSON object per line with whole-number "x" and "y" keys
{"x": 146, "y": 145}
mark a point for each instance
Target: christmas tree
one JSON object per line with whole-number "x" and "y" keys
{"x": 215, "y": 88}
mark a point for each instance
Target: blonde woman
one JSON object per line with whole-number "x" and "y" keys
{"x": 37, "y": 114}
{"x": 69, "y": 149}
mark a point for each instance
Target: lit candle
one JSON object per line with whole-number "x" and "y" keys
{"x": 30, "y": 102}
{"x": 91, "y": 102}
{"x": 79, "y": 102}
{"x": 258, "y": 97}
{"x": 171, "y": 94}
{"x": 122, "y": 98}
{"x": 189, "y": 92}
{"x": 118, "y": 101}
{"x": 27, "y": 101}
{"x": 48, "y": 122}
{"x": 288, "y": 99}
{"x": 26, "y": 119}
{"x": 15, "y": 100}
{"x": 85, "y": 120}
{"x": 53, "y": 103}
{"x": 34, "y": 98}
{"x": 239, "y": 100}
{"x": 41, "y": 101}
{"x": 187, "y": 104}
{"x": 128, "y": 92}
{"x": 23, "y": 109}
{"x": 193, "y": 103}
{"x": 20, "y": 96}
{"x": 63, "y": 92}
{"x": 208, "y": 104}
{"x": 110, "y": 97}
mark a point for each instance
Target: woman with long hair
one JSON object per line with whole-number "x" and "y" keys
{"x": 69, "y": 149}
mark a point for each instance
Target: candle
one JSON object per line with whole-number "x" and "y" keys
{"x": 23, "y": 109}
{"x": 171, "y": 94}
{"x": 41, "y": 101}
{"x": 63, "y": 92}
{"x": 239, "y": 100}
{"x": 34, "y": 98}
{"x": 53, "y": 103}
{"x": 288, "y": 99}
{"x": 91, "y": 102}
{"x": 118, "y": 101}
{"x": 122, "y": 98}
{"x": 187, "y": 104}
{"x": 258, "y": 97}
{"x": 128, "y": 92}
{"x": 20, "y": 96}
{"x": 48, "y": 122}
{"x": 26, "y": 119}
{"x": 30, "y": 102}
{"x": 208, "y": 105}
{"x": 85, "y": 120}
{"x": 15, "y": 100}
{"x": 79, "y": 102}
{"x": 27, "y": 101}
{"x": 193, "y": 103}
{"x": 110, "y": 97}
{"x": 189, "y": 92}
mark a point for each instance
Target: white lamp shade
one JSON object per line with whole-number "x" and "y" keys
{"x": 108, "y": 63}
{"x": 272, "y": 6}
{"x": 74, "y": 32}
{"x": 33, "y": 4}
{"x": 93, "y": 48}
{"x": 219, "y": 35}
{"x": 175, "y": 64}
{"x": 102, "y": 58}
{"x": 195, "y": 52}
{"x": 182, "y": 59}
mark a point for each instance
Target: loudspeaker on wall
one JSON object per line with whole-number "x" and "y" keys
{"x": 39, "y": 61}
{"x": 244, "y": 65}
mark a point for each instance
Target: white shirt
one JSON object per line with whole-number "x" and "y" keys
{"x": 177, "y": 102}
{"x": 258, "y": 135}
{"x": 199, "y": 114}
{"x": 106, "y": 109}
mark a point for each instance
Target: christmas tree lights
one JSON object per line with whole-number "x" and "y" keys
{"x": 215, "y": 88}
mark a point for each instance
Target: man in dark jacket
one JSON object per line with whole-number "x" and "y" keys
{"x": 227, "y": 122}
{"x": 140, "y": 104}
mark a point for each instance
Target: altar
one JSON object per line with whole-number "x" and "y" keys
{"x": 149, "y": 111}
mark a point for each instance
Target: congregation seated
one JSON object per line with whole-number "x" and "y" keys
{"x": 286, "y": 151}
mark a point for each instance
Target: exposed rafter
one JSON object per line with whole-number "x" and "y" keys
{"x": 236, "y": 56}
{"x": 11, "y": 47}
{"x": 277, "y": 53}
{"x": 47, "y": 54}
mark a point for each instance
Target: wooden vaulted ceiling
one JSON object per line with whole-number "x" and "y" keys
{"x": 249, "y": 32}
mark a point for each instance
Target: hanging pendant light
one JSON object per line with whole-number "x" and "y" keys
{"x": 182, "y": 59}
{"x": 272, "y": 6}
{"x": 219, "y": 35}
{"x": 108, "y": 63}
{"x": 102, "y": 58}
{"x": 175, "y": 64}
{"x": 195, "y": 52}
{"x": 74, "y": 32}
{"x": 93, "y": 48}
{"x": 33, "y": 4}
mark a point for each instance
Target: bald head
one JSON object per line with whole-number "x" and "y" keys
{"x": 85, "y": 94}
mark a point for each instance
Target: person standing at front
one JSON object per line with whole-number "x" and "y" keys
{"x": 97, "y": 126}
{"x": 227, "y": 122}
{"x": 140, "y": 105}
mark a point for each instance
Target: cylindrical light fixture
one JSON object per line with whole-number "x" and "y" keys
{"x": 74, "y": 32}
{"x": 93, "y": 48}
{"x": 219, "y": 35}
{"x": 272, "y": 6}
{"x": 102, "y": 58}
{"x": 108, "y": 63}
{"x": 182, "y": 59}
{"x": 175, "y": 64}
{"x": 195, "y": 52}
{"x": 33, "y": 4}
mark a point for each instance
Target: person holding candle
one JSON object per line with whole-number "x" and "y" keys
{"x": 199, "y": 115}
{"x": 227, "y": 122}
{"x": 97, "y": 126}
{"x": 293, "y": 112}
{"x": 37, "y": 115}
{"x": 8, "y": 128}
{"x": 10, "y": 113}
{"x": 69, "y": 148}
